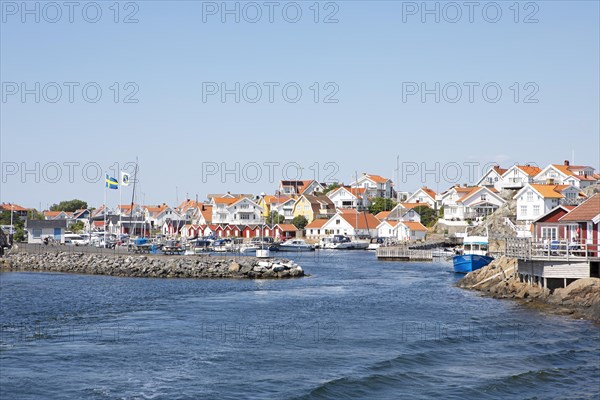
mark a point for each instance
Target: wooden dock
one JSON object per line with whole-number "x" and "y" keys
{"x": 403, "y": 253}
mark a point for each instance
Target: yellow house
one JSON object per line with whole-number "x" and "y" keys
{"x": 271, "y": 203}
{"x": 313, "y": 207}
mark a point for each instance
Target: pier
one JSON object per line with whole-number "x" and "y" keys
{"x": 553, "y": 264}
{"x": 403, "y": 253}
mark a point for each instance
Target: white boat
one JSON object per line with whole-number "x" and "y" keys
{"x": 341, "y": 242}
{"x": 295, "y": 245}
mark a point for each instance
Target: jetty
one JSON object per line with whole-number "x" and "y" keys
{"x": 554, "y": 264}
{"x": 35, "y": 259}
{"x": 403, "y": 253}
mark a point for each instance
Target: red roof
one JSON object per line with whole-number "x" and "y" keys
{"x": 415, "y": 226}
{"x": 317, "y": 223}
{"x": 365, "y": 220}
{"x": 11, "y": 206}
{"x": 586, "y": 211}
{"x": 288, "y": 227}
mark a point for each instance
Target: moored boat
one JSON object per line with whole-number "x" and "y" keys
{"x": 474, "y": 255}
{"x": 295, "y": 245}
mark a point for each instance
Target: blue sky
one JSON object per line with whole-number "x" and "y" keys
{"x": 368, "y": 61}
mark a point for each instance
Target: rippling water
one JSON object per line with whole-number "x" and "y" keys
{"x": 356, "y": 328}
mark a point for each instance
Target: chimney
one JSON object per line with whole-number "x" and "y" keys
{"x": 567, "y": 163}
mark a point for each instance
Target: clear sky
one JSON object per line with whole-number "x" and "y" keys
{"x": 371, "y": 68}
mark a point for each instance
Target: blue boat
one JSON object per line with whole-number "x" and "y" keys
{"x": 475, "y": 255}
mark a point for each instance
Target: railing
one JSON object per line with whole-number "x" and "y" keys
{"x": 403, "y": 252}
{"x": 526, "y": 249}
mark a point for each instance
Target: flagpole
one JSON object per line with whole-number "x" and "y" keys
{"x": 104, "y": 211}
{"x": 120, "y": 209}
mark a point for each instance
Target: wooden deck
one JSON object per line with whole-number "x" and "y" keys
{"x": 403, "y": 253}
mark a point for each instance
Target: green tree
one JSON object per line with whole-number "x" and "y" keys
{"x": 69, "y": 205}
{"x": 331, "y": 187}
{"x": 379, "y": 204}
{"x": 428, "y": 215}
{"x": 77, "y": 226}
{"x": 19, "y": 225}
{"x": 300, "y": 222}
{"x": 275, "y": 218}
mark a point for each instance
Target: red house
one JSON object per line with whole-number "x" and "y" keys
{"x": 285, "y": 231}
{"x": 548, "y": 227}
{"x": 582, "y": 224}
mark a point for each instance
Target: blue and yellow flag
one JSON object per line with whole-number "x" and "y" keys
{"x": 111, "y": 182}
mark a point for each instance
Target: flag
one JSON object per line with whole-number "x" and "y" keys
{"x": 124, "y": 178}
{"x": 111, "y": 182}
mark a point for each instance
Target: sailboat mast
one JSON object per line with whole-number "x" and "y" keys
{"x": 133, "y": 193}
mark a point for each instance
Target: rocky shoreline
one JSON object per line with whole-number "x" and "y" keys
{"x": 141, "y": 266}
{"x": 580, "y": 299}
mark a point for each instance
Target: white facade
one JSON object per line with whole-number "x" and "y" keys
{"x": 339, "y": 225}
{"x": 402, "y": 231}
{"x": 532, "y": 204}
{"x": 423, "y": 195}
{"x": 343, "y": 198}
{"x": 479, "y": 202}
{"x": 375, "y": 186}
{"x": 241, "y": 212}
{"x": 492, "y": 178}
{"x": 286, "y": 209}
{"x": 517, "y": 177}
{"x": 399, "y": 213}
{"x": 578, "y": 176}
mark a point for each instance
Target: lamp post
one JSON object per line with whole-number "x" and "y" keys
{"x": 12, "y": 229}
{"x": 262, "y": 253}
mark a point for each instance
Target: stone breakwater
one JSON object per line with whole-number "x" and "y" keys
{"x": 153, "y": 266}
{"x": 499, "y": 279}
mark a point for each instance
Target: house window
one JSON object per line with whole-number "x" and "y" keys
{"x": 37, "y": 233}
{"x": 523, "y": 210}
{"x": 536, "y": 210}
{"x": 337, "y": 221}
{"x": 530, "y": 196}
{"x": 483, "y": 197}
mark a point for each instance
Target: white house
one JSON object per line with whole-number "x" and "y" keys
{"x": 38, "y": 230}
{"x": 423, "y": 195}
{"x": 236, "y": 211}
{"x": 351, "y": 223}
{"x": 400, "y": 213}
{"x": 156, "y": 216}
{"x": 388, "y": 229}
{"x": 349, "y": 197}
{"x": 314, "y": 230}
{"x": 375, "y": 186}
{"x": 411, "y": 231}
{"x": 575, "y": 175}
{"x": 492, "y": 178}
{"x": 402, "y": 230}
{"x": 535, "y": 200}
{"x": 476, "y": 202}
{"x": 518, "y": 176}
{"x": 297, "y": 187}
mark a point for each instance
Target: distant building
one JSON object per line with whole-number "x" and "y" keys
{"x": 17, "y": 210}
{"x": 535, "y": 200}
{"x": 38, "y": 230}
{"x": 566, "y": 174}
{"x": 375, "y": 186}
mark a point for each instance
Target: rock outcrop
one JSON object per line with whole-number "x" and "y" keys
{"x": 153, "y": 266}
{"x": 499, "y": 279}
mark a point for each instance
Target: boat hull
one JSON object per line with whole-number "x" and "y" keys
{"x": 463, "y": 264}
{"x": 295, "y": 249}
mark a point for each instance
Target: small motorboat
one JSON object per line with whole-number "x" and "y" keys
{"x": 474, "y": 255}
{"x": 296, "y": 245}
{"x": 341, "y": 242}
